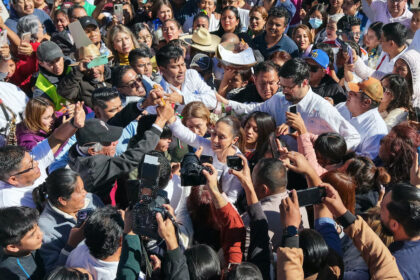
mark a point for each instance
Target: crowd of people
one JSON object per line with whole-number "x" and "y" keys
{"x": 274, "y": 102}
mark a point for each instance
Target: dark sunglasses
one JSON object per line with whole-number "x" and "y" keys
{"x": 135, "y": 83}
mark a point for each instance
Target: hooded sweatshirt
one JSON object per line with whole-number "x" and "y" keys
{"x": 412, "y": 58}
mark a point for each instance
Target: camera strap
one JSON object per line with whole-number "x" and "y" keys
{"x": 149, "y": 268}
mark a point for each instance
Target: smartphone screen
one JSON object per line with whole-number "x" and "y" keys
{"x": 273, "y": 145}
{"x": 310, "y": 196}
{"x": 206, "y": 159}
{"x": 3, "y": 37}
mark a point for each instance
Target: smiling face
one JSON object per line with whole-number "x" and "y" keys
{"x": 28, "y": 172}
{"x": 24, "y": 7}
{"x": 123, "y": 43}
{"x": 132, "y": 84}
{"x": 396, "y": 7}
{"x": 207, "y": 5}
{"x": 174, "y": 72}
{"x": 61, "y": 21}
{"x": 275, "y": 27}
{"x": 93, "y": 33}
{"x": 229, "y": 21}
{"x": 222, "y": 137}
{"x": 164, "y": 13}
{"x": 267, "y": 84}
{"x": 301, "y": 39}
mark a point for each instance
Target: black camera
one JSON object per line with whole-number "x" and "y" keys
{"x": 234, "y": 162}
{"x": 192, "y": 171}
{"x": 150, "y": 199}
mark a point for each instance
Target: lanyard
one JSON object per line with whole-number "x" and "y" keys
{"x": 21, "y": 267}
{"x": 379, "y": 65}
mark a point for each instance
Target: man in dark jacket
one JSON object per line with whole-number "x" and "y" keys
{"x": 321, "y": 83}
{"x": 52, "y": 67}
{"x": 93, "y": 154}
{"x": 79, "y": 83}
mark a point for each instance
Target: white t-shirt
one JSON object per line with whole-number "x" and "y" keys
{"x": 100, "y": 270}
{"x": 22, "y": 196}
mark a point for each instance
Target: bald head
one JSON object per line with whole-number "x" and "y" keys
{"x": 230, "y": 38}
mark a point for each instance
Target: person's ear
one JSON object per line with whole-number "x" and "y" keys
{"x": 91, "y": 151}
{"x": 97, "y": 112}
{"x": 12, "y": 248}
{"x": 394, "y": 225}
{"x": 266, "y": 190}
{"x": 235, "y": 139}
{"x": 305, "y": 83}
{"x": 62, "y": 201}
{"x": 367, "y": 102}
{"x": 13, "y": 181}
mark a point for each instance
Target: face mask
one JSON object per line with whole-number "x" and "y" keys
{"x": 315, "y": 22}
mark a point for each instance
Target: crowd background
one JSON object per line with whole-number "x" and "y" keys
{"x": 268, "y": 98}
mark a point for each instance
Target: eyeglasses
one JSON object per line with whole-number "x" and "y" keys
{"x": 146, "y": 38}
{"x": 282, "y": 88}
{"x": 396, "y": 1}
{"x": 26, "y": 170}
{"x": 135, "y": 83}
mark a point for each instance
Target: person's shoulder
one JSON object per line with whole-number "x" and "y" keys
{"x": 41, "y": 14}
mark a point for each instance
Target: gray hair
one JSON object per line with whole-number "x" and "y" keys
{"x": 29, "y": 23}
{"x": 97, "y": 147}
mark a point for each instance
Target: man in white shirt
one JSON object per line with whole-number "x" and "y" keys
{"x": 21, "y": 172}
{"x": 388, "y": 11}
{"x": 318, "y": 114}
{"x": 361, "y": 110}
{"x": 181, "y": 85}
{"x": 393, "y": 46}
{"x": 105, "y": 225}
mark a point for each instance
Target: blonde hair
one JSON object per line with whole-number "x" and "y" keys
{"x": 195, "y": 109}
{"x": 34, "y": 110}
{"x": 114, "y": 32}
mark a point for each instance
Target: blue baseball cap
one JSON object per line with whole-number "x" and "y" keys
{"x": 320, "y": 57}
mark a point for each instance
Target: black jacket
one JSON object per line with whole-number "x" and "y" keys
{"x": 75, "y": 86}
{"x": 330, "y": 88}
{"x": 63, "y": 40}
{"x": 99, "y": 172}
{"x": 248, "y": 94}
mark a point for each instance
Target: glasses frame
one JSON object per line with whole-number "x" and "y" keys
{"x": 26, "y": 170}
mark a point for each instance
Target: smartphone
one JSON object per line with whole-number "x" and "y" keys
{"x": 26, "y": 37}
{"x": 310, "y": 196}
{"x": 292, "y": 109}
{"x": 273, "y": 145}
{"x": 3, "y": 37}
{"x": 82, "y": 216}
{"x": 350, "y": 52}
{"x": 234, "y": 162}
{"x": 118, "y": 11}
{"x": 206, "y": 159}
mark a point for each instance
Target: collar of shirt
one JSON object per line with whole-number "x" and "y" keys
{"x": 275, "y": 198}
{"x": 64, "y": 214}
{"x": 363, "y": 118}
{"x": 305, "y": 101}
{"x": 406, "y": 15}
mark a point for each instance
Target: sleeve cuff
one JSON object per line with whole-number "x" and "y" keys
{"x": 157, "y": 127}
{"x": 291, "y": 242}
{"x": 347, "y": 219}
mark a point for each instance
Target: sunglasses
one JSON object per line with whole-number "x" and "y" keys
{"x": 26, "y": 170}
{"x": 137, "y": 82}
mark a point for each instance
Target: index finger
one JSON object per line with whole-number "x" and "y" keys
{"x": 294, "y": 198}
{"x": 210, "y": 166}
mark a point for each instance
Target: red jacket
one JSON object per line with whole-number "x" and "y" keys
{"x": 25, "y": 67}
{"x": 232, "y": 233}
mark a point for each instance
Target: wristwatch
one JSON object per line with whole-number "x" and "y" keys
{"x": 290, "y": 231}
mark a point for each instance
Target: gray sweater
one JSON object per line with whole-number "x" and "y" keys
{"x": 56, "y": 227}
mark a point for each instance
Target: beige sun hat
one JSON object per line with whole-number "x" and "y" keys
{"x": 202, "y": 40}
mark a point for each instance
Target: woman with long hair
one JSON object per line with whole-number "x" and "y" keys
{"x": 121, "y": 41}
{"x": 230, "y": 22}
{"x": 395, "y": 106}
{"x": 257, "y": 19}
{"x": 303, "y": 38}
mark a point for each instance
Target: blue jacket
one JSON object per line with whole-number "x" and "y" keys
{"x": 285, "y": 44}
{"x": 56, "y": 228}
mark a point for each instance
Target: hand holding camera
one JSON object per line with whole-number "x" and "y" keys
{"x": 166, "y": 229}
{"x": 289, "y": 211}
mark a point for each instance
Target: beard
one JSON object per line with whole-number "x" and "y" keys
{"x": 386, "y": 230}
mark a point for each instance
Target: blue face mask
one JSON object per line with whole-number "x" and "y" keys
{"x": 315, "y": 22}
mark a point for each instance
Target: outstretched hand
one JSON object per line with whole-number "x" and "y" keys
{"x": 333, "y": 201}
{"x": 289, "y": 211}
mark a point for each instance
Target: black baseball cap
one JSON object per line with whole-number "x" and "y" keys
{"x": 88, "y": 21}
{"x": 97, "y": 131}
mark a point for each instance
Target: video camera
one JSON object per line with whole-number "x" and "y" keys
{"x": 192, "y": 171}
{"x": 150, "y": 199}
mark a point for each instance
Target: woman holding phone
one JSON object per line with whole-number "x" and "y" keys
{"x": 226, "y": 140}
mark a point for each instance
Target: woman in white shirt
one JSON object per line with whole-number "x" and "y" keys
{"x": 225, "y": 139}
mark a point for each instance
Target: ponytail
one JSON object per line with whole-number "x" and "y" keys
{"x": 39, "y": 195}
